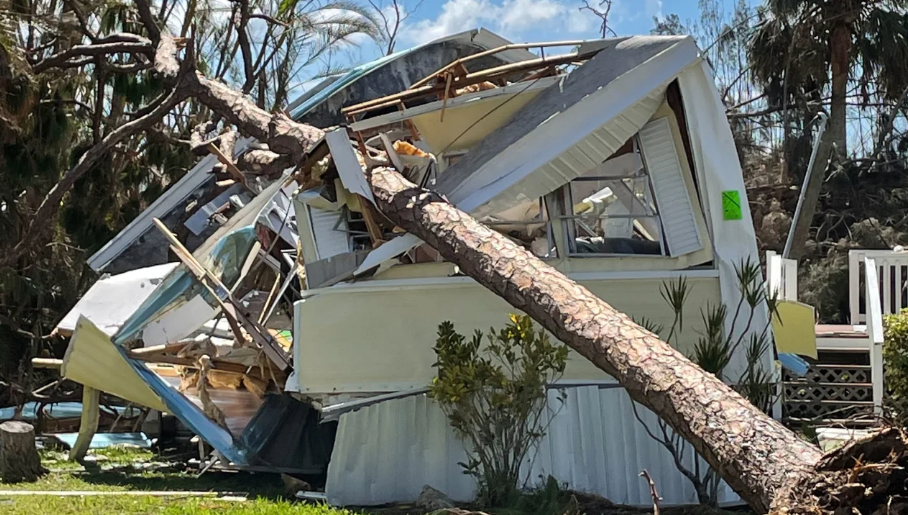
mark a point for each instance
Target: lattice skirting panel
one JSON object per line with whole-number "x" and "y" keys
{"x": 829, "y": 394}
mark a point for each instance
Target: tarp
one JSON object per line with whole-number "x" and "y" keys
{"x": 286, "y": 434}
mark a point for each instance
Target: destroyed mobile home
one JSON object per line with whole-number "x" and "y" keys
{"x": 295, "y": 331}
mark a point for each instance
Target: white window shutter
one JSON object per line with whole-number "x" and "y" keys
{"x": 672, "y": 198}
{"x": 329, "y": 229}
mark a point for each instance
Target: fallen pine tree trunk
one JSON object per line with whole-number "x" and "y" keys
{"x": 769, "y": 466}
{"x": 765, "y": 463}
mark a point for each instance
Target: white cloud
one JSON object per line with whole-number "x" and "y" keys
{"x": 519, "y": 15}
{"x": 654, "y": 8}
{"x": 456, "y": 16}
{"x": 514, "y": 19}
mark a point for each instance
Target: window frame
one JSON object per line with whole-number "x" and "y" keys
{"x": 569, "y": 219}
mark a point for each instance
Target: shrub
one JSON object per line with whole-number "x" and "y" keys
{"x": 495, "y": 398}
{"x": 895, "y": 362}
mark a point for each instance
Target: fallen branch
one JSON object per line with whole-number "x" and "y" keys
{"x": 652, "y": 491}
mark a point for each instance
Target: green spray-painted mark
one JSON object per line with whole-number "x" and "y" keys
{"x": 731, "y": 205}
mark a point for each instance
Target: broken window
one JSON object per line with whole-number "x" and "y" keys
{"x": 528, "y": 225}
{"x": 611, "y": 208}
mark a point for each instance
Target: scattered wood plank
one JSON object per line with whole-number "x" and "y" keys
{"x": 227, "y": 161}
{"x": 47, "y": 363}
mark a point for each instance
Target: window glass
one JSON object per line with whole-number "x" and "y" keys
{"x": 611, "y": 209}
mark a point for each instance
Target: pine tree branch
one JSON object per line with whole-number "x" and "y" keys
{"x": 83, "y": 54}
{"x": 154, "y": 32}
{"x": 51, "y": 203}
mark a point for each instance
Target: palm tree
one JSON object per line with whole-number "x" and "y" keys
{"x": 806, "y": 48}
{"x": 811, "y": 51}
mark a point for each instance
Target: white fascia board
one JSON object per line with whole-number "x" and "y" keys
{"x": 479, "y": 96}
{"x": 351, "y": 172}
{"x": 193, "y": 179}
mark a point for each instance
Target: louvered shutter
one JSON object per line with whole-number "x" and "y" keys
{"x": 329, "y": 229}
{"x": 672, "y": 198}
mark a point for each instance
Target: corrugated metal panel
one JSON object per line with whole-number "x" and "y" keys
{"x": 672, "y": 197}
{"x": 330, "y": 232}
{"x": 387, "y": 452}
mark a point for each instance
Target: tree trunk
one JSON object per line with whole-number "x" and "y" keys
{"x": 732, "y": 435}
{"x": 840, "y": 52}
{"x": 766, "y": 464}
{"x": 835, "y": 137}
{"x": 19, "y": 459}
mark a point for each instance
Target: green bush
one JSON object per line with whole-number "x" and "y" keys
{"x": 895, "y": 362}
{"x": 495, "y": 398}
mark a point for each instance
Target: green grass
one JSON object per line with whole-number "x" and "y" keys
{"x": 156, "y": 505}
{"x": 265, "y": 492}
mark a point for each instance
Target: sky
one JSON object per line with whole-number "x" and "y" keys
{"x": 518, "y": 21}
{"x": 535, "y": 20}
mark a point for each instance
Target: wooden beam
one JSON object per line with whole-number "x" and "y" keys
{"x": 227, "y": 161}
{"x": 371, "y": 225}
{"x": 473, "y": 78}
{"x": 231, "y": 308}
{"x": 216, "y": 364}
{"x": 47, "y": 363}
{"x": 160, "y": 349}
{"x": 91, "y": 410}
{"x": 492, "y": 51}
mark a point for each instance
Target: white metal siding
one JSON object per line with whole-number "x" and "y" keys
{"x": 330, "y": 234}
{"x": 672, "y": 197}
{"x": 386, "y": 452}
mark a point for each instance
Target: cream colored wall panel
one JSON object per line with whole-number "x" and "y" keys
{"x": 381, "y": 340}
{"x": 93, "y": 360}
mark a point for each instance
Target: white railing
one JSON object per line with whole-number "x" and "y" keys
{"x": 782, "y": 276}
{"x": 891, "y": 275}
{"x": 874, "y": 315}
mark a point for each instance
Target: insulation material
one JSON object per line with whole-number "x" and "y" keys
{"x": 388, "y": 451}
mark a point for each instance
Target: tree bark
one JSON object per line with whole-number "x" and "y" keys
{"x": 840, "y": 52}
{"x": 753, "y": 453}
{"x": 19, "y": 459}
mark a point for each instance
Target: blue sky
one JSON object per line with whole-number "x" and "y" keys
{"x": 536, "y": 20}
{"x": 517, "y": 20}
{"x": 525, "y": 20}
